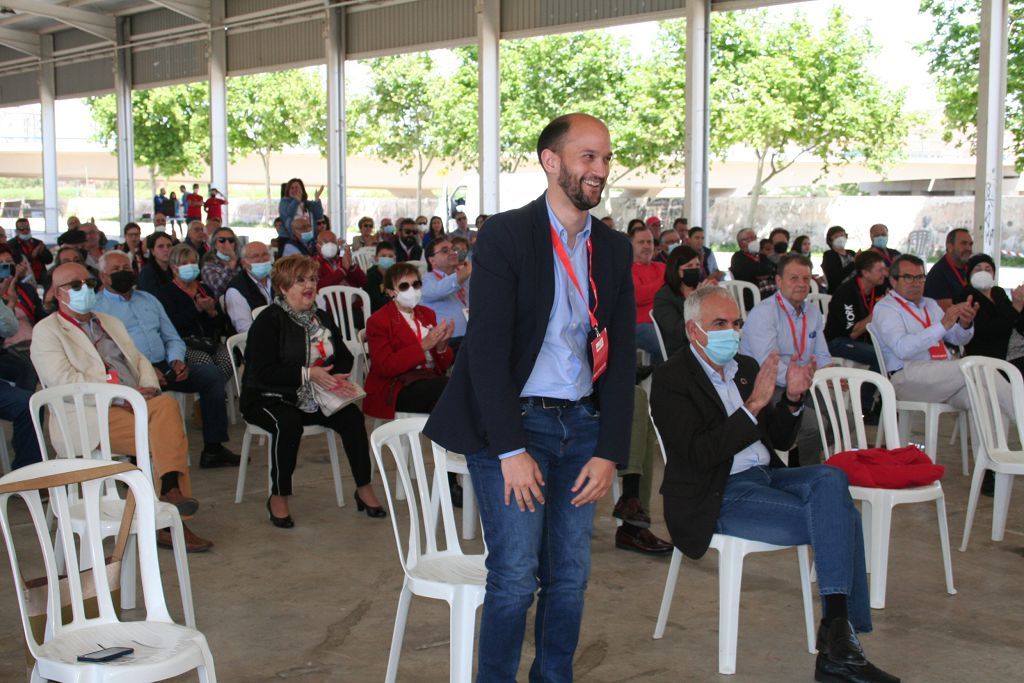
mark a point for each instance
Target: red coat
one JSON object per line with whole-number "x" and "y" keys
{"x": 394, "y": 349}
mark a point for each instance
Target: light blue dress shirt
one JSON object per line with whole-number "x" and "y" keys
{"x": 903, "y": 338}
{"x": 441, "y": 295}
{"x": 767, "y": 329}
{"x": 147, "y": 323}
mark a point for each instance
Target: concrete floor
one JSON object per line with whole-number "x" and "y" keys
{"x": 317, "y": 602}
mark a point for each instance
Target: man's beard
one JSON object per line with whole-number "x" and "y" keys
{"x": 573, "y": 189}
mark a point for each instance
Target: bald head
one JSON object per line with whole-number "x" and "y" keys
{"x": 575, "y": 152}
{"x": 69, "y": 272}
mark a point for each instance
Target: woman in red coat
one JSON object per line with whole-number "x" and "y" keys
{"x": 409, "y": 351}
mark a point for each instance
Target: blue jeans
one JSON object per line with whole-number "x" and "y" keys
{"x": 549, "y": 548}
{"x": 801, "y": 505}
{"x": 859, "y": 351}
{"x": 647, "y": 340}
{"x": 14, "y": 407}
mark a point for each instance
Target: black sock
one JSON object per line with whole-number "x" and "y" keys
{"x": 168, "y": 481}
{"x": 835, "y": 608}
{"x": 631, "y": 486}
{"x": 211, "y": 446}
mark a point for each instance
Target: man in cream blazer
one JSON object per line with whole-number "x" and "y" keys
{"x": 76, "y": 345}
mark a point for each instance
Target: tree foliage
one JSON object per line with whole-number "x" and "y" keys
{"x": 954, "y": 54}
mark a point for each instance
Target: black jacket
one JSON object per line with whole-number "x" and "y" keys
{"x": 252, "y": 294}
{"x": 701, "y": 440}
{"x": 510, "y": 301}
{"x": 995, "y": 320}
{"x": 834, "y": 270}
{"x": 847, "y": 308}
{"x": 758, "y": 271}
{"x": 668, "y": 313}
{"x": 275, "y": 353}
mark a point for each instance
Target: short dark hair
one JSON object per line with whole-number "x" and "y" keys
{"x": 554, "y": 134}
{"x": 677, "y": 221}
{"x": 694, "y": 230}
{"x": 681, "y": 254}
{"x": 790, "y": 258}
{"x": 778, "y": 231}
{"x": 129, "y": 226}
{"x": 383, "y": 244}
{"x": 951, "y": 235}
{"x": 632, "y": 222}
{"x": 397, "y": 272}
{"x": 832, "y": 232}
{"x": 897, "y": 264}
{"x": 639, "y": 228}
{"x": 432, "y": 247}
{"x": 866, "y": 260}
{"x": 402, "y": 222}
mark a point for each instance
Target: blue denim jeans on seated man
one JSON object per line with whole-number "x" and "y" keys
{"x": 549, "y": 548}
{"x": 799, "y": 506}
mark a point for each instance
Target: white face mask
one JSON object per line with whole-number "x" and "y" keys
{"x": 982, "y": 280}
{"x": 328, "y": 250}
{"x": 839, "y": 243}
{"x": 410, "y": 298}
{"x": 753, "y": 247}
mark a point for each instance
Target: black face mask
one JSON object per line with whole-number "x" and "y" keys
{"x": 691, "y": 277}
{"x": 780, "y": 247}
{"x": 122, "y": 281}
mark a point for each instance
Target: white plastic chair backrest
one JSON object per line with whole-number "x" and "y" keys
{"x": 91, "y": 476}
{"x": 361, "y": 337}
{"x": 256, "y": 311}
{"x": 982, "y": 375}
{"x": 237, "y": 341}
{"x": 736, "y": 288}
{"x": 879, "y": 356}
{"x": 402, "y": 437}
{"x": 451, "y": 534}
{"x": 364, "y": 256}
{"x": 661, "y": 341}
{"x": 68, "y": 404}
{"x": 815, "y": 289}
{"x": 821, "y": 301}
{"x": 339, "y": 300}
{"x": 843, "y": 409}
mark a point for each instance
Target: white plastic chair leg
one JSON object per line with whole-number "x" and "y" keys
{"x": 1001, "y": 504}
{"x": 332, "y": 449}
{"x": 931, "y": 433}
{"x": 965, "y": 434}
{"x": 399, "y": 634}
{"x": 462, "y": 626}
{"x": 730, "y": 579}
{"x": 947, "y": 562}
{"x": 668, "y": 593}
{"x": 129, "y": 572}
{"x": 972, "y": 504}
{"x": 881, "y": 521}
{"x": 181, "y": 564}
{"x": 804, "y": 559}
{"x": 616, "y": 493}
{"x": 243, "y": 466}
{"x": 469, "y": 513}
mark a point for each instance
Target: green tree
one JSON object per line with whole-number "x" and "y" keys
{"x": 171, "y": 128}
{"x": 270, "y": 111}
{"x": 954, "y": 54}
{"x": 790, "y": 90}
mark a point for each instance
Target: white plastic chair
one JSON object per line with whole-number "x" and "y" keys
{"x": 66, "y": 403}
{"x": 848, "y": 434}
{"x": 932, "y": 413}
{"x": 821, "y": 301}
{"x": 339, "y": 300}
{"x": 256, "y": 311}
{"x": 446, "y": 463}
{"x": 991, "y": 451}
{"x": 731, "y": 552}
{"x": 163, "y": 649}
{"x": 430, "y": 572}
{"x": 661, "y": 340}
{"x": 815, "y": 289}
{"x": 365, "y": 256}
{"x": 237, "y": 341}
{"x": 737, "y": 288}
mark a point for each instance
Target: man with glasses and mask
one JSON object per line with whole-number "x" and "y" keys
{"x": 154, "y": 336}
{"x": 78, "y": 345}
{"x": 28, "y": 247}
{"x": 446, "y": 287}
{"x": 407, "y": 246}
{"x": 251, "y": 288}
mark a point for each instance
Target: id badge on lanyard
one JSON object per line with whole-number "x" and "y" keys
{"x": 937, "y": 352}
{"x": 599, "y": 343}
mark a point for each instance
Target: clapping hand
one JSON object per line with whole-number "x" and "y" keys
{"x": 764, "y": 384}
{"x": 344, "y": 387}
{"x": 1018, "y": 297}
{"x": 432, "y": 338}
{"x": 447, "y": 327}
{"x": 321, "y": 376}
{"x": 968, "y": 310}
{"x": 799, "y": 378}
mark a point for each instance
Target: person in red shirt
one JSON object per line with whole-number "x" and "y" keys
{"x": 194, "y": 204}
{"x": 648, "y": 278}
{"x": 213, "y": 205}
{"x": 337, "y": 267}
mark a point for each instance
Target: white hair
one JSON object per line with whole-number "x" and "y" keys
{"x": 115, "y": 252}
{"x": 695, "y": 301}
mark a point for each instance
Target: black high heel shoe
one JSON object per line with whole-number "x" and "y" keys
{"x": 371, "y": 511}
{"x": 280, "y": 522}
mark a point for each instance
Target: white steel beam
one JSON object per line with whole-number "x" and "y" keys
{"x": 988, "y": 179}
{"x": 48, "y": 130}
{"x": 100, "y": 25}
{"x": 218, "y": 100}
{"x": 22, "y": 41}
{"x": 698, "y": 60}
{"x": 489, "y": 103}
{"x": 193, "y": 9}
{"x": 125, "y": 125}
{"x": 336, "y": 129}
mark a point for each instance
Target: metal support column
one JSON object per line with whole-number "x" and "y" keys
{"x": 988, "y": 179}
{"x": 336, "y": 131}
{"x": 125, "y": 126}
{"x": 48, "y": 130}
{"x": 219, "y": 101}
{"x": 698, "y": 62}
{"x": 489, "y": 102}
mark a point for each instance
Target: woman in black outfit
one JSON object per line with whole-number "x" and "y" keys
{"x": 837, "y": 262}
{"x": 998, "y": 315}
{"x": 157, "y": 272}
{"x": 292, "y": 346}
{"x": 682, "y": 278}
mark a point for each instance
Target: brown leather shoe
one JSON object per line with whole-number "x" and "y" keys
{"x": 641, "y": 541}
{"x": 630, "y": 510}
{"x": 186, "y": 506}
{"x": 193, "y": 543}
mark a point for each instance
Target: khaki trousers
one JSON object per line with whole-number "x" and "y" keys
{"x": 168, "y": 445}
{"x": 940, "y": 381}
{"x": 643, "y": 447}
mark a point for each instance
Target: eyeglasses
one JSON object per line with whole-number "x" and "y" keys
{"x": 910, "y": 278}
{"x": 76, "y": 285}
{"x": 365, "y": 225}
{"x": 222, "y": 240}
{"x": 403, "y": 286}
{"x": 444, "y": 250}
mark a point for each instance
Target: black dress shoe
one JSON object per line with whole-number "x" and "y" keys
{"x": 841, "y": 658}
{"x": 641, "y": 541}
{"x": 215, "y": 455}
{"x": 371, "y": 510}
{"x": 631, "y": 511}
{"x": 285, "y": 522}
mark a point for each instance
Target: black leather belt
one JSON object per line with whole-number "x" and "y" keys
{"x": 549, "y": 403}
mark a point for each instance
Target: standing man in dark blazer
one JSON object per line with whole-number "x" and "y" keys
{"x": 715, "y": 415}
{"x": 541, "y": 398}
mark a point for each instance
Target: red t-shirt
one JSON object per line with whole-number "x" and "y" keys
{"x": 193, "y": 206}
{"x": 213, "y": 205}
{"x": 647, "y": 280}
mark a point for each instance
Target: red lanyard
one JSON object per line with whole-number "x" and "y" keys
{"x": 27, "y": 307}
{"x": 926, "y": 323}
{"x": 956, "y": 271}
{"x": 885, "y": 255}
{"x": 801, "y": 346}
{"x": 200, "y": 294}
{"x": 756, "y": 258}
{"x": 106, "y": 366}
{"x": 322, "y": 350}
{"x": 460, "y": 294}
{"x": 864, "y": 298}
{"x": 556, "y": 242}
{"x": 71, "y": 320}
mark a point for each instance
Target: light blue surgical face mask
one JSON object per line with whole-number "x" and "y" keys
{"x": 83, "y": 300}
{"x": 261, "y": 270}
{"x": 722, "y": 345}
{"x": 223, "y": 257}
{"x": 389, "y": 229}
{"x": 25, "y": 237}
{"x": 386, "y": 262}
{"x": 881, "y": 241}
{"x": 672, "y": 247}
{"x": 188, "y": 272}
{"x": 307, "y": 237}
